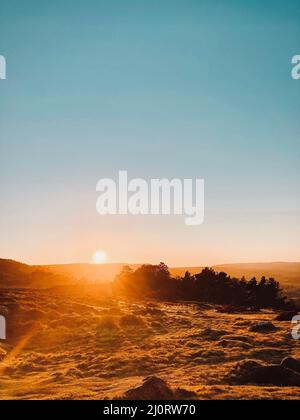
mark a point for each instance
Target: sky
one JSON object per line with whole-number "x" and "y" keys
{"x": 162, "y": 89}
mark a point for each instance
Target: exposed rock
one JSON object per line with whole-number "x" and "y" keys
{"x": 245, "y": 367}
{"x": 286, "y": 316}
{"x": 263, "y": 327}
{"x": 154, "y": 388}
{"x": 291, "y": 363}
{"x": 251, "y": 372}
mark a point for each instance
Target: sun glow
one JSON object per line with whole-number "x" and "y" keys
{"x": 100, "y": 257}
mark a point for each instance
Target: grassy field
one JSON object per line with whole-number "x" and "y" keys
{"x": 83, "y": 345}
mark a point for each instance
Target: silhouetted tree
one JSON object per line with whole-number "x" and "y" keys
{"x": 155, "y": 281}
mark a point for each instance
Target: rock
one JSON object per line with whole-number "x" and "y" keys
{"x": 245, "y": 367}
{"x": 251, "y": 372}
{"x": 291, "y": 363}
{"x": 154, "y": 388}
{"x": 184, "y": 394}
{"x": 286, "y": 316}
{"x": 277, "y": 375}
{"x": 263, "y": 327}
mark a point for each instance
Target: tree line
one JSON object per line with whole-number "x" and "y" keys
{"x": 155, "y": 281}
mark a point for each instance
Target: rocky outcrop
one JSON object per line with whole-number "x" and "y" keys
{"x": 286, "y": 316}
{"x": 154, "y": 388}
{"x": 291, "y": 363}
{"x": 252, "y": 372}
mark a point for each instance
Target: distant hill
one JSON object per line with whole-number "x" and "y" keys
{"x": 15, "y": 274}
{"x": 284, "y": 272}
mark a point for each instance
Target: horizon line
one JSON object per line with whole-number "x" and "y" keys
{"x": 149, "y": 263}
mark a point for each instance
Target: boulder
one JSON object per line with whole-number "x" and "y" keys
{"x": 154, "y": 388}
{"x": 286, "y": 316}
{"x": 251, "y": 372}
{"x": 291, "y": 363}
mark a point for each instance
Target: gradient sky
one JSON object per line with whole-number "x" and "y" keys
{"x": 162, "y": 88}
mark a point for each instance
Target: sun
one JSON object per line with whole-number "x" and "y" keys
{"x": 99, "y": 257}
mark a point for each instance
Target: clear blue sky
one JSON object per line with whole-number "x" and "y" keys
{"x": 195, "y": 88}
